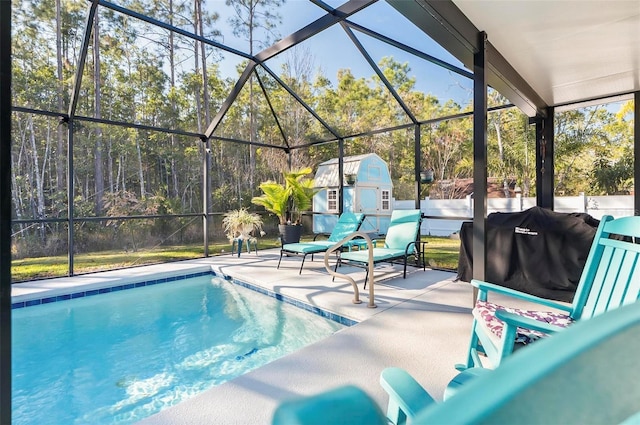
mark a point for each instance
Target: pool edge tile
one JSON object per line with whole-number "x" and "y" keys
{"x": 253, "y": 287}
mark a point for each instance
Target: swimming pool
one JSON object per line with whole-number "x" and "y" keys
{"x": 122, "y": 356}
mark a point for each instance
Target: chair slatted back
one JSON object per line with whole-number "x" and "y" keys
{"x": 404, "y": 227}
{"x": 611, "y": 277}
{"x": 586, "y": 374}
{"x": 347, "y": 223}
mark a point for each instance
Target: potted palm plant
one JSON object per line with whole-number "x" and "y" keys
{"x": 287, "y": 201}
{"x": 239, "y": 224}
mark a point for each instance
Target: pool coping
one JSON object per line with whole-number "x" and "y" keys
{"x": 70, "y": 292}
{"x": 100, "y": 281}
{"x": 295, "y": 302}
{"x": 103, "y": 290}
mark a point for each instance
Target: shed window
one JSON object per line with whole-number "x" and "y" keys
{"x": 332, "y": 200}
{"x": 386, "y": 200}
{"x": 374, "y": 173}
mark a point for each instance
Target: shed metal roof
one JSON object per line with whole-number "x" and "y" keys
{"x": 327, "y": 174}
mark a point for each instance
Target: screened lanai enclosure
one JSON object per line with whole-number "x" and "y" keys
{"x": 137, "y": 124}
{"x": 129, "y": 128}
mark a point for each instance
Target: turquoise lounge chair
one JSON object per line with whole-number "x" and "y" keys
{"x": 347, "y": 224}
{"x": 401, "y": 241}
{"x": 583, "y": 375}
{"x": 610, "y": 279}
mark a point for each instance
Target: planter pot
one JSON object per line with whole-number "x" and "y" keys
{"x": 290, "y": 233}
{"x": 350, "y": 179}
{"x": 426, "y": 176}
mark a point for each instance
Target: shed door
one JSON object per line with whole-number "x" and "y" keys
{"x": 368, "y": 203}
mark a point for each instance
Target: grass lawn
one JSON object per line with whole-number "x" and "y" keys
{"x": 441, "y": 253}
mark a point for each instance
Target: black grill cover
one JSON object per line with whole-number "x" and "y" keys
{"x": 536, "y": 251}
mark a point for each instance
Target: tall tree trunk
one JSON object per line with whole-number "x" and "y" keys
{"x": 205, "y": 94}
{"x": 121, "y": 173}
{"x": 505, "y": 183}
{"x": 174, "y": 190}
{"x": 17, "y": 192}
{"x": 35, "y": 176}
{"x": 97, "y": 164}
{"x": 60, "y": 151}
{"x": 201, "y": 62}
{"x": 45, "y": 159}
{"x": 110, "y": 166}
{"x": 196, "y": 66}
{"x": 140, "y": 170}
{"x": 252, "y": 117}
{"x": 203, "y": 58}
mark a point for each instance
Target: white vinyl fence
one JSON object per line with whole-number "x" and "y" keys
{"x": 451, "y": 213}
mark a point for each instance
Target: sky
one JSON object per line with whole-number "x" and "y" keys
{"x": 332, "y": 49}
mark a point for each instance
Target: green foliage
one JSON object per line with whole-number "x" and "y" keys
{"x": 300, "y": 188}
{"x": 613, "y": 177}
{"x": 241, "y": 222}
{"x": 275, "y": 199}
{"x": 591, "y": 150}
{"x": 124, "y": 204}
{"x": 294, "y": 196}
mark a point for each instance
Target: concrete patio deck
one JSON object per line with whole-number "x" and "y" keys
{"x": 422, "y": 323}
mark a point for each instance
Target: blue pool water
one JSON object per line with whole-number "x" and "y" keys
{"x": 120, "y": 357}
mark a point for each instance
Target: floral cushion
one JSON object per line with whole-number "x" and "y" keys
{"x": 486, "y": 311}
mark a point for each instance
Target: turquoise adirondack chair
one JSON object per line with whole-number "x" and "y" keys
{"x": 401, "y": 241}
{"x": 583, "y": 375}
{"x": 610, "y": 279}
{"x": 348, "y": 223}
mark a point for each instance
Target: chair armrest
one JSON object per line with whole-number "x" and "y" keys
{"x": 462, "y": 379}
{"x": 512, "y": 319}
{"x": 404, "y": 392}
{"x": 414, "y": 243}
{"x": 491, "y": 287}
{"x": 361, "y": 243}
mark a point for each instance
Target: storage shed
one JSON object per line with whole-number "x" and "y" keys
{"x": 367, "y": 189}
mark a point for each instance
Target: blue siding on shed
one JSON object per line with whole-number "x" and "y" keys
{"x": 320, "y": 201}
{"x": 324, "y": 223}
{"x": 368, "y": 197}
{"x": 349, "y": 199}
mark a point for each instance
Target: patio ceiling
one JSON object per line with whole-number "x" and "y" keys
{"x": 541, "y": 53}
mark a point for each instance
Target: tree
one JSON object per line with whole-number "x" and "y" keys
{"x": 613, "y": 168}
{"x": 576, "y": 136}
{"x": 510, "y": 140}
{"x": 98, "y": 169}
{"x": 251, "y": 16}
